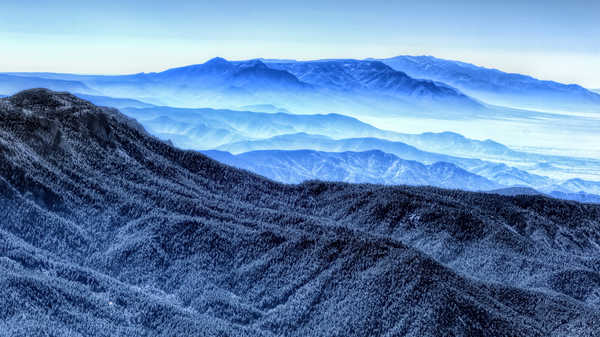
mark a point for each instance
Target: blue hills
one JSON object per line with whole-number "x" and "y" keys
{"x": 350, "y": 86}
{"x": 218, "y": 72}
{"x": 497, "y": 87}
{"x": 246, "y": 131}
{"x": 375, "y": 166}
{"x": 499, "y": 173}
{"x": 370, "y": 76}
{"x": 404, "y": 84}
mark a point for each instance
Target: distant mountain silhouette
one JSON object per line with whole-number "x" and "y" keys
{"x": 349, "y": 86}
{"x": 499, "y": 173}
{"x": 373, "y": 166}
{"x": 497, "y": 87}
{"x": 180, "y": 123}
{"x": 250, "y": 75}
{"x": 371, "y": 76}
{"x": 107, "y": 230}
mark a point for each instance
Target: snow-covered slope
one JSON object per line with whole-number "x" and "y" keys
{"x": 107, "y": 231}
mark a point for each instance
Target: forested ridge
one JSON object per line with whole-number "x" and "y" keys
{"x": 108, "y": 231}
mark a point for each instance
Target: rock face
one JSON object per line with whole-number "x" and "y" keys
{"x": 106, "y": 231}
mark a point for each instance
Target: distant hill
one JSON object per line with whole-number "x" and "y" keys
{"x": 497, "y": 87}
{"x": 243, "y": 125}
{"x": 179, "y": 124}
{"x": 580, "y": 197}
{"x": 514, "y": 191}
{"x": 374, "y": 167}
{"x": 219, "y": 73}
{"x": 107, "y": 230}
{"x": 372, "y": 76}
{"x": 497, "y": 172}
{"x": 350, "y": 86}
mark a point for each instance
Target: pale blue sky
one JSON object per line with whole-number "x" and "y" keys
{"x": 558, "y": 40}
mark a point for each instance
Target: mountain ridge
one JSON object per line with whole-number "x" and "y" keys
{"x": 127, "y": 235}
{"x": 373, "y": 166}
{"x": 227, "y": 84}
{"x": 497, "y": 87}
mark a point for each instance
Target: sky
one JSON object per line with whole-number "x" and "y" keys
{"x": 548, "y": 39}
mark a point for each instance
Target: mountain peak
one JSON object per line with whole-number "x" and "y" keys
{"x": 44, "y": 99}
{"x": 216, "y": 60}
{"x": 52, "y": 115}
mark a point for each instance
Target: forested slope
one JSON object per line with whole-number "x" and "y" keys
{"x": 107, "y": 231}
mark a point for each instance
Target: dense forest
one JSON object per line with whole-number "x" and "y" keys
{"x": 108, "y": 231}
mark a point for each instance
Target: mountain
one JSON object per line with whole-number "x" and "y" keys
{"x": 11, "y": 84}
{"x": 446, "y": 146}
{"x": 457, "y": 144}
{"x": 342, "y": 86}
{"x": 109, "y": 231}
{"x": 514, "y": 191}
{"x": 581, "y": 185}
{"x": 251, "y": 75}
{"x": 300, "y": 141}
{"x": 497, "y": 87}
{"x": 244, "y": 131}
{"x": 580, "y": 197}
{"x": 374, "y": 167}
{"x": 372, "y": 76}
{"x": 497, "y": 172}
{"x": 178, "y": 124}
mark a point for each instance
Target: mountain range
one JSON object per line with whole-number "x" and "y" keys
{"x": 406, "y": 84}
{"x": 181, "y": 125}
{"x": 367, "y": 89}
{"x": 499, "y": 173}
{"x": 372, "y": 76}
{"x": 496, "y": 87}
{"x": 107, "y": 230}
{"x": 373, "y": 166}
{"x": 348, "y": 86}
{"x": 204, "y": 129}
